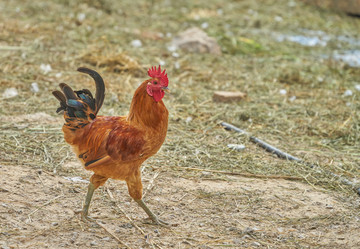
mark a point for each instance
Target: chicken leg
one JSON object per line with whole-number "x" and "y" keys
{"x": 152, "y": 216}
{"x": 135, "y": 190}
{"x": 85, "y": 211}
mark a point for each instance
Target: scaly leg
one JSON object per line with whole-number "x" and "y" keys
{"x": 84, "y": 213}
{"x": 152, "y": 216}
{"x": 135, "y": 190}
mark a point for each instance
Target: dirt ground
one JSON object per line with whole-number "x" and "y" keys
{"x": 297, "y": 64}
{"x": 38, "y": 210}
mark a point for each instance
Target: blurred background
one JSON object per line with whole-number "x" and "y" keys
{"x": 291, "y": 68}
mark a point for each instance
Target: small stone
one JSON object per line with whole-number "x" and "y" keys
{"x": 106, "y": 238}
{"x": 93, "y": 243}
{"x": 195, "y": 40}
{"x": 34, "y": 87}
{"x": 10, "y": 93}
{"x": 223, "y": 96}
{"x": 46, "y": 68}
{"x": 54, "y": 224}
{"x": 204, "y": 25}
{"x": 81, "y": 17}
{"x": 58, "y": 75}
{"x": 205, "y": 173}
{"x": 283, "y": 91}
{"x": 188, "y": 120}
{"x": 278, "y": 19}
{"x": 237, "y": 147}
{"x": 162, "y": 63}
{"x": 357, "y": 87}
{"x": 136, "y": 43}
{"x": 348, "y": 93}
{"x": 257, "y": 244}
{"x": 177, "y": 65}
{"x": 172, "y": 48}
{"x": 292, "y": 98}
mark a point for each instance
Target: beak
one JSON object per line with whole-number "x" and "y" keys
{"x": 166, "y": 89}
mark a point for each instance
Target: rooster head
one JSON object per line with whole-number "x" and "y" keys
{"x": 158, "y": 83}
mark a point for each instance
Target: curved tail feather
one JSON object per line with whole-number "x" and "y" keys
{"x": 100, "y": 86}
{"x": 80, "y": 106}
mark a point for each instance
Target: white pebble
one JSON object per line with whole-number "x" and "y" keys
{"x": 282, "y": 91}
{"x": 58, "y": 75}
{"x": 238, "y": 147}
{"x": 75, "y": 179}
{"x": 177, "y": 65}
{"x": 220, "y": 12}
{"x": 348, "y": 93}
{"x": 292, "y": 98}
{"x": 357, "y": 87}
{"x": 10, "y": 93}
{"x": 175, "y": 54}
{"x": 81, "y": 17}
{"x": 204, "y": 25}
{"x": 34, "y": 87}
{"x": 320, "y": 79}
{"x": 188, "y": 120}
{"x": 172, "y": 48}
{"x": 136, "y": 43}
{"x": 162, "y": 63}
{"x": 46, "y": 68}
{"x": 278, "y": 19}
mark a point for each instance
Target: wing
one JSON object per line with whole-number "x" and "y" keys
{"x": 125, "y": 143}
{"x": 110, "y": 139}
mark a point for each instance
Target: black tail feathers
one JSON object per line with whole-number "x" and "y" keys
{"x": 81, "y": 104}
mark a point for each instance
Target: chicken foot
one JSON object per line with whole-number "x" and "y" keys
{"x": 152, "y": 216}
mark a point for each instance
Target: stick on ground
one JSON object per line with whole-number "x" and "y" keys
{"x": 285, "y": 155}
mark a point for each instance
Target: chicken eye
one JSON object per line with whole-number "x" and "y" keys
{"x": 155, "y": 82}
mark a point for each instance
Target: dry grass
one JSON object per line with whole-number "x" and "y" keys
{"x": 320, "y": 126}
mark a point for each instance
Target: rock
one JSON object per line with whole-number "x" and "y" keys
{"x": 136, "y": 43}
{"x": 194, "y": 40}
{"x": 237, "y": 147}
{"x": 283, "y": 91}
{"x": 348, "y": 6}
{"x": 34, "y": 87}
{"x": 348, "y": 93}
{"x": 46, "y": 68}
{"x": 223, "y": 96}
{"x": 10, "y": 93}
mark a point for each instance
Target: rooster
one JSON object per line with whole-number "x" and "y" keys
{"x": 115, "y": 147}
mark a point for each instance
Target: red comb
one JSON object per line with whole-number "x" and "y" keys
{"x": 154, "y": 72}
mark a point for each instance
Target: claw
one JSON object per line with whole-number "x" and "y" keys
{"x": 156, "y": 221}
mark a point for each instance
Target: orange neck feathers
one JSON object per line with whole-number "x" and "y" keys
{"x": 145, "y": 111}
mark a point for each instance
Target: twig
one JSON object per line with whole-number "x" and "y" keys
{"x": 264, "y": 145}
{"x": 47, "y": 203}
{"x": 151, "y": 183}
{"x": 13, "y": 48}
{"x": 243, "y": 174}
{"x": 284, "y": 155}
{"x": 114, "y": 236}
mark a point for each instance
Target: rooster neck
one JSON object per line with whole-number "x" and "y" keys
{"x": 145, "y": 111}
